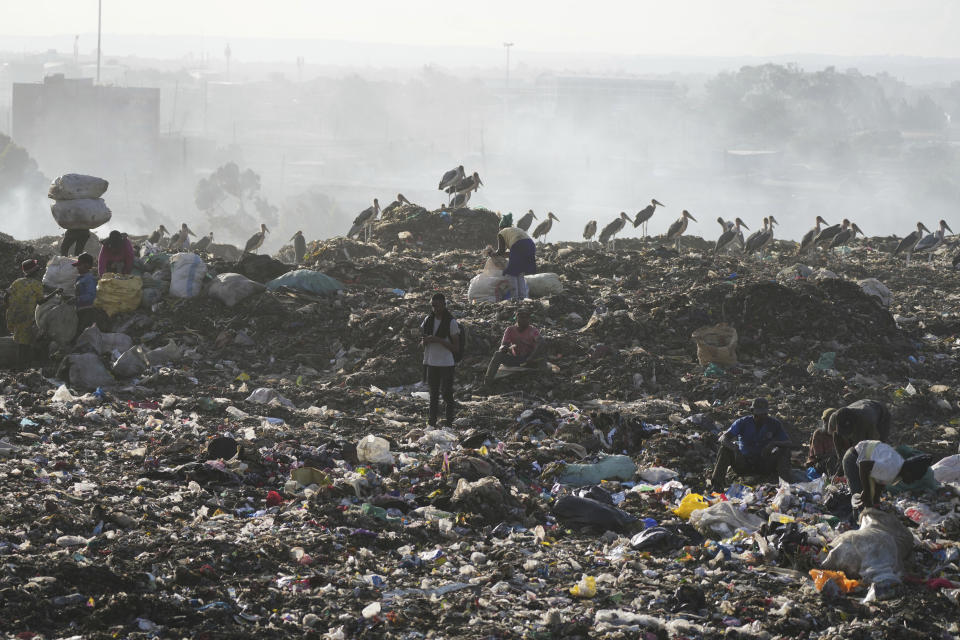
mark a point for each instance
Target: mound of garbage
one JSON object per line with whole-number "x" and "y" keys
{"x": 246, "y": 454}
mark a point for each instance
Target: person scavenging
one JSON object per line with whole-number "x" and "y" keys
{"x": 521, "y": 345}
{"x": 522, "y": 256}
{"x": 755, "y": 444}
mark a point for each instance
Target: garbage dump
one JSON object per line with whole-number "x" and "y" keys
{"x": 233, "y": 459}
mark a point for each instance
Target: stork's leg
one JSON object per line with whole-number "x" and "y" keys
{"x": 908, "y": 259}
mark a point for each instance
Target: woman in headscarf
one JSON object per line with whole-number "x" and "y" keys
{"x": 523, "y": 256}
{"x": 23, "y": 296}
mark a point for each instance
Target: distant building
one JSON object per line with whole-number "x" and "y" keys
{"x": 71, "y": 125}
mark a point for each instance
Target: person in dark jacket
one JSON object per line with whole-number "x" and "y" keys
{"x": 74, "y": 239}
{"x": 85, "y": 291}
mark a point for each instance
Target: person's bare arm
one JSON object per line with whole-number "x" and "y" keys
{"x": 866, "y": 467}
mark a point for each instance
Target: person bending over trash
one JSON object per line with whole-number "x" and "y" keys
{"x": 23, "y": 296}
{"x": 440, "y": 343}
{"x": 858, "y": 421}
{"x": 754, "y": 444}
{"x": 874, "y": 465}
{"x": 116, "y": 254}
{"x": 521, "y": 344}
{"x": 523, "y": 256}
{"x": 86, "y": 291}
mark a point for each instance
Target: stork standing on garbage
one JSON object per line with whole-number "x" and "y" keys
{"x": 522, "y": 256}
{"x": 256, "y": 240}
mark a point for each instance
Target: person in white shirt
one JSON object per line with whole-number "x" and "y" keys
{"x": 877, "y": 465}
{"x": 440, "y": 343}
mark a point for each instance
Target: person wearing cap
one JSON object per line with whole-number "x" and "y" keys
{"x": 755, "y": 444}
{"x": 85, "y": 291}
{"x": 876, "y": 465}
{"x": 116, "y": 254}
{"x": 523, "y": 256}
{"x": 521, "y": 344}
{"x": 23, "y": 296}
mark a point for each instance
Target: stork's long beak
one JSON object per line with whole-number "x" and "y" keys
{"x": 190, "y": 232}
{"x": 558, "y": 220}
{"x": 659, "y": 203}
{"x": 947, "y": 227}
{"x": 265, "y": 229}
{"x": 925, "y": 228}
{"x": 293, "y": 237}
{"x": 743, "y": 224}
{"x": 690, "y": 215}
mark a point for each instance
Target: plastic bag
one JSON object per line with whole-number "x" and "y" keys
{"x": 879, "y": 551}
{"x": 723, "y": 519}
{"x": 585, "y": 588}
{"x": 57, "y": 320}
{"x": 821, "y": 577}
{"x": 947, "y": 469}
{"x": 231, "y": 288}
{"x": 61, "y": 274}
{"x": 306, "y": 280}
{"x": 87, "y": 372}
{"x": 132, "y": 363}
{"x": 170, "y": 352}
{"x": 81, "y": 214}
{"x": 716, "y": 344}
{"x": 76, "y": 186}
{"x": 118, "y": 293}
{"x": 187, "y": 271}
{"x": 606, "y": 468}
{"x": 487, "y": 288}
{"x": 542, "y": 285}
{"x": 690, "y": 503}
{"x": 875, "y": 288}
{"x": 98, "y": 342}
{"x": 374, "y": 450}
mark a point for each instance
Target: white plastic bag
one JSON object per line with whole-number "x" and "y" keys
{"x": 76, "y": 186}
{"x": 723, "y": 519}
{"x": 167, "y": 353}
{"x": 873, "y": 287}
{"x": 231, "y": 288}
{"x": 61, "y": 274}
{"x": 947, "y": 470}
{"x": 187, "y": 271}
{"x": 81, "y": 214}
{"x": 486, "y": 288}
{"x": 542, "y": 285}
{"x": 374, "y": 450}
{"x": 879, "y": 551}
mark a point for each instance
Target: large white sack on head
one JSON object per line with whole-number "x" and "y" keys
{"x": 231, "y": 288}
{"x": 81, "y": 214}
{"x": 541, "y": 285}
{"x": 187, "y": 271}
{"x": 87, "y": 372}
{"x": 485, "y": 288}
{"x": 76, "y": 186}
{"x": 57, "y": 320}
{"x": 61, "y": 274}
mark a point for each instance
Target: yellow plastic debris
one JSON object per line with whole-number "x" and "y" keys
{"x": 690, "y": 503}
{"x": 586, "y": 588}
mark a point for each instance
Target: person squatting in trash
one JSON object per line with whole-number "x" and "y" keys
{"x": 23, "y": 296}
{"x": 440, "y": 343}
{"x": 523, "y": 256}
{"x": 756, "y": 445}
{"x": 116, "y": 254}
{"x": 521, "y": 344}
{"x": 875, "y": 465}
{"x": 85, "y": 292}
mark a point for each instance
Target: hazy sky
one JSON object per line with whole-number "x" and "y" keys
{"x": 644, "y": 27}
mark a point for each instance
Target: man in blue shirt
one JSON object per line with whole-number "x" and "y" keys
{"x": 755, "y": 445}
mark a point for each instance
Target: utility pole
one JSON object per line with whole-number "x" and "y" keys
{"x": 507, "y": 45}
{"x": 99, "y": 24}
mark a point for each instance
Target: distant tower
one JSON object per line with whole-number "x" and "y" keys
{"x": 76, "y": 49}
{"x": 300, "y": 63}
{"x": 226, "y": 54}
